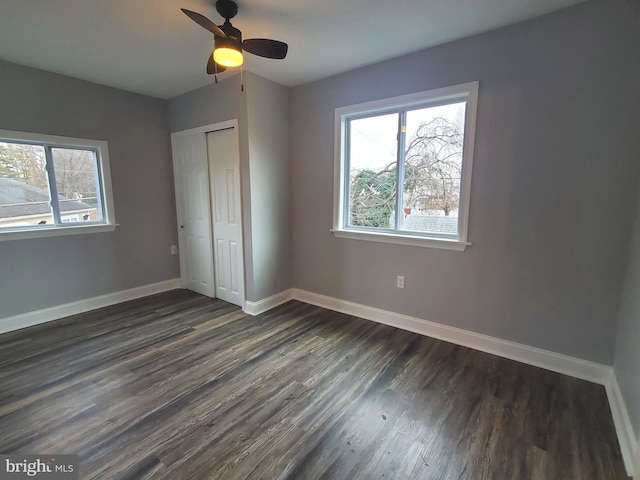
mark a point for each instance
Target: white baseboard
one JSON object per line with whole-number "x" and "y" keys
{"x": 261, "y": 306}
{"x": 575, "y": 367}
{"x": 624, "y": 428}
{"x": 37, "y": 317}
{"x": 556, "y": 362}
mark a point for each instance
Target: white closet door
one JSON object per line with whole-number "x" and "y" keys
{"x": 194, "y": 215}
{"x": 224, "y": 173}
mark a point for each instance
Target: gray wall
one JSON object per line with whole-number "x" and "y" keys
{"x": 268, "y": 116}
{"x": 555, "y": 168}
{"x": 40, "y": 273}
{"x": 264, "y": 169}
{"x": 627, "y": 353}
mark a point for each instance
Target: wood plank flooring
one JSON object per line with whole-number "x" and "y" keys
{"x": 180, "y": 386}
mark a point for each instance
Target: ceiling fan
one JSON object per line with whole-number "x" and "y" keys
{"x": 228, "y": 43}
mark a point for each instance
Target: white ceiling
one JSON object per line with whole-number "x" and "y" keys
{"x": 150, "y": 47}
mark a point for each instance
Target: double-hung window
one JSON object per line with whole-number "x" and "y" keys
{"x": 403, "y": 168}
{"x": 52, "y": 185}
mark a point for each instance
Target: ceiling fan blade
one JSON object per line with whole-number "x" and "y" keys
{"x": 213, "y": 67}
{"x": 264, "y": 47}
{"x": 204, "y": 22}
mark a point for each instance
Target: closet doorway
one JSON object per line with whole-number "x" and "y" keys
{"x": 206, "y": 165}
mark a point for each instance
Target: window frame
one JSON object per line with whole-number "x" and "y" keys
{"x": 467, "y": 92}
{"x": 103, "y": 170}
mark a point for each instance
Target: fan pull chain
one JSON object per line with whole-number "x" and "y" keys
{"x": 215, "y": 71}
{"x": 241, "y": 79}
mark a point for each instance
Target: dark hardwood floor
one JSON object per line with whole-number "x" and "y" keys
{"x": 179, "y": 386}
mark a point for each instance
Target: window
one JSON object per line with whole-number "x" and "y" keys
{"x": 53, "y": 186}
{"x": 403, "y": 168}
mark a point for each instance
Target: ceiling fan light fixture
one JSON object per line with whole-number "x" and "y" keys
{"x": 228, "y": 53}
{"x": 228, "y": 43}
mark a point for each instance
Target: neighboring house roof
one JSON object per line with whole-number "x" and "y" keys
{"x": 431, "y": 224}
{"x": 17, "y": 199}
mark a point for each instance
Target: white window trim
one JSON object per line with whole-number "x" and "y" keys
{"x": 466, "y": 91}
{"x": 102, "y": 147}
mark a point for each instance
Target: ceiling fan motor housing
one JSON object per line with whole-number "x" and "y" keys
{"x": 230, "y": 31}
{"x": 227, "y": 8}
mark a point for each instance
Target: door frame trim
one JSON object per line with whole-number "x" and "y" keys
{"x": 212, "y": 127}
{"x": 203, "y": 130}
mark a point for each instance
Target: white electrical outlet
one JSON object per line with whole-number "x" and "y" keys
{"x": 174, "y": 249}
{"x": 400, "y": 281}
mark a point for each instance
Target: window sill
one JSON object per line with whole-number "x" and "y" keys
{"x": 55, "y": 232}
{"x": 402, "y": 239}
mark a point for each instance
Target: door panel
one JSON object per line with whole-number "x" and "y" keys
{"x": 234, "y": 253}
{"x": 224, "y": 172}
{"x": 192, "y": 182}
